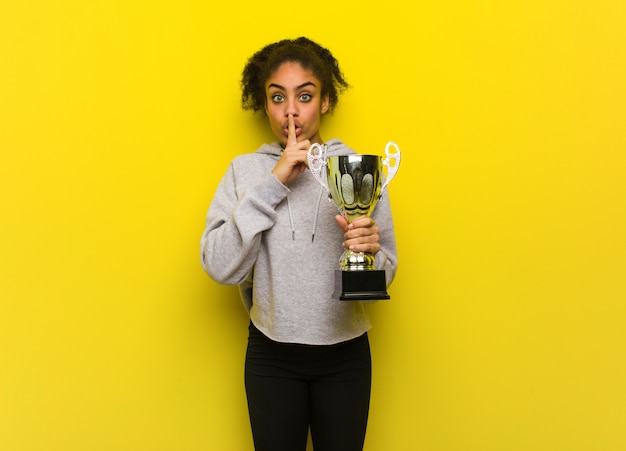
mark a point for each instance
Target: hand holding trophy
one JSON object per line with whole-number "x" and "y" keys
{"x": 354, "y": 184}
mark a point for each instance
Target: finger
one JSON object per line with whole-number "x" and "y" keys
{"x": 343, "y": 224}
{"x": 362, "y": 244}
{"x": 362, "y": 221}
{"x": 291, "y": 135}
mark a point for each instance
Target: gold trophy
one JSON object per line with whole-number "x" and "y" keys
{"x": 354, "y": 183}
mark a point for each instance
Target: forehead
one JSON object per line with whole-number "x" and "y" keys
{"x": 291, "y": 74}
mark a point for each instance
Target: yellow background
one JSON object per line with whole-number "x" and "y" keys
{"x": 506, "y": 328}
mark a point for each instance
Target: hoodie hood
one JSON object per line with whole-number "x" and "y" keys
{"x": 334, "y": 147}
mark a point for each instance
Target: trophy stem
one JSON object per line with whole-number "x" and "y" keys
{"x": 357, "y": 261}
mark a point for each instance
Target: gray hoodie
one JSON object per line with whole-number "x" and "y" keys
{"x": 282, "y": 245}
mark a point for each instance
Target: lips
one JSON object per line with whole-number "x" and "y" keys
{"x": 298, "y": 130}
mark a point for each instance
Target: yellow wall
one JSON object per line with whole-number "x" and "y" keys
{"x": 506, "y": 327}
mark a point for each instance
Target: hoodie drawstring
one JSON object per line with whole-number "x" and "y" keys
{"x": 317, "y": 210}
{"x": 293, "y": 228}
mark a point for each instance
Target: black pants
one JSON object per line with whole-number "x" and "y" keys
{"x": 292, "y": 388}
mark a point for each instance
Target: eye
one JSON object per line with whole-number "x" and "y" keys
{"x": 305, "y": 97}
{"x": 277, "y": 98}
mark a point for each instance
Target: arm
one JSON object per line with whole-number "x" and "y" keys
{"x": 234, "y": 226}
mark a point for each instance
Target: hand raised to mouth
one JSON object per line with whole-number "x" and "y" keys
{"x": 293, "y": 160}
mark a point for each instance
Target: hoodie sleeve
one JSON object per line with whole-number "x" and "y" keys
{"x": 387, "y": 257}
{"x": 236, "y": 219}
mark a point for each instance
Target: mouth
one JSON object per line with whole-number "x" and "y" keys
{"x": 298, "y": 130}
{"x": 296, "y": 124}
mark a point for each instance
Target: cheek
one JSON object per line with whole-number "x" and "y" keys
{"x": 273, "y": 118}
{"x": 276, "y": 125}
{"x": 315, "y": 116}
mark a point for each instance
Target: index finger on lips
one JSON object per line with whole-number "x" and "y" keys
{"x": 291, "y": 135}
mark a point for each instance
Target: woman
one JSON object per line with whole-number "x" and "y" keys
{"x": 271, "y": 231}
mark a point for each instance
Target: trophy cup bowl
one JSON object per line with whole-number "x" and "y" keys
{"x": 354, "y": 183}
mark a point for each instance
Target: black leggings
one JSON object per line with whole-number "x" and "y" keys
{"x": 291, "y": 387}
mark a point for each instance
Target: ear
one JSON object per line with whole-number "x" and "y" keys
{"x": 325, "y": 103}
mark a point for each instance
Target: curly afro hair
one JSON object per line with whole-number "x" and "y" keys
{"x": 310, "y": 55}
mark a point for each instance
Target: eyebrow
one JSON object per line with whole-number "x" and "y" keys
{"x": 303, "y": 85}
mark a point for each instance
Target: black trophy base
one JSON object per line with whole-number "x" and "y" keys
{"x": 360, "y": 285}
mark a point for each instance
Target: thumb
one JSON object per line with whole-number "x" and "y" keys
{"x": 342, "y": 222}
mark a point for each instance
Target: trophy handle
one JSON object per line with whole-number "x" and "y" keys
{"x": 317, "y": 163}
{"x": 392, "y": 163}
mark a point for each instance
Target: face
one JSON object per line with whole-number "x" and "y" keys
{"x": 296, "y": 91}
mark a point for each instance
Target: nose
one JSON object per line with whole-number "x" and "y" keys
{"x": 291, "y": 108}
